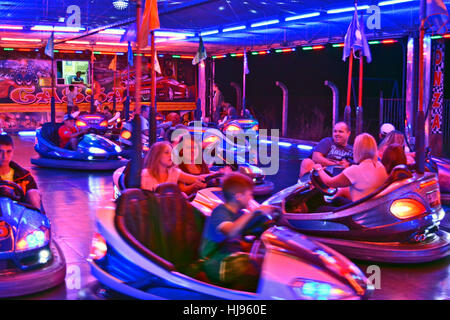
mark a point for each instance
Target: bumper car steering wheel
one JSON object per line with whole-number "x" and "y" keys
{"x": 319, "y": 185}
{"x": 264, "y": 218}
{"x": 11, "y": 190}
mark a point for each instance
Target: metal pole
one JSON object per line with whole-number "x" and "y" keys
{"x": 348, "y": 110}
{"x": 136, "y": 156}
{"x": 359, "y": 110}
{"x": 244, "y": 82}
{"x": 52, "y": 99}
{"x": 153, "y": 92}
{"x": 335, "y": 91}
{"x": 126, "y": 105}
{"x": 420, "y": 137}
{"x": 285, "y": 107}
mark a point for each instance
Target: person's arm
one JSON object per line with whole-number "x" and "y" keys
{"x": 338, "y": 181}
{"x": 190, "y": 178}
{"x": 232, "y": 229}
{"x": 319, "y": 158}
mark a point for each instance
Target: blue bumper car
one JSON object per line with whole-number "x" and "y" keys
{"x": 94, "y": 152}
{"x": 95, "y": 123}
{"x": 142, "y": 251}
{"x": 398, "y": 223}
{"x": 30, "y": 261}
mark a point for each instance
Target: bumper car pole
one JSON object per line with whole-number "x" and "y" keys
{"x": 136, "y": 156}
{"x": 285, "y": 107}
{"x": 335, "y": 91}
{"x": 348, "y": 110}
{"x": 153, "y": 92}
{"x": 420, "y": 139}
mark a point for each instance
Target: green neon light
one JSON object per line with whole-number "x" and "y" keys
{"x": 97, "y": 52}
{"x": 307, "y": 48}
{"x": 374, "y": 42}
{"x": 436, "y": 37}
{"x": 176, "y": 56}
{"x": 8, "y": 49}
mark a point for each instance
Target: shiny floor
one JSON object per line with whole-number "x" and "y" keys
{"x": 71, "y": 199}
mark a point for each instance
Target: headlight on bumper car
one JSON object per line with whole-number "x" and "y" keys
{"x": 96, "y": 150}
{"x": 407, "y": 208}
{"x": 80, "y": 123}
{"x": 33, "y": 240}
{"x": 98, "y": 247}
{"x": 316, "y": 290}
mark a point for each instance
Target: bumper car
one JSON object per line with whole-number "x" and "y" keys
{"x": 94, "y": 152}
{"x": 443, "y": 170}
{"x": 261, "y": 186}
{"x": 397, "y": 223}
{"x": 95, "y": 123}
{"x": 142, "y": 251}
{"x": 30, "y": 261}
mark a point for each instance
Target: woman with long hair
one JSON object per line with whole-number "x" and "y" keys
{"x": 393, "y": 156}
{"x": 362, "y": 178}
{"x": 159, "y": 168}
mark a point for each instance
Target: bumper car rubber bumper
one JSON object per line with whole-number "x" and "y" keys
{"x": 263, "y": 189}
{"x": 433, "y": 249}
{"x": 79, "y": 164}
{"x": 28, "y": 282}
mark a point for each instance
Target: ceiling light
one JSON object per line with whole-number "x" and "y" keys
{"x": 264, "y": 23}
{"x": 302, "y": 16}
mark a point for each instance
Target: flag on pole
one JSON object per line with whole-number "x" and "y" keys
{"x": 437, "y": 16}
{"x": 50, "y": 46}
{"x": 246, "y": 70}
{"x": 130, "y": 34}
{"x": 355, "y": 39}
{"x": 150, "y": 21}
{"x": 130, "y": 54}
{"x": 201, "y": 53}
{"x": 113, "y": 65}
{"x": 157, "y": 66}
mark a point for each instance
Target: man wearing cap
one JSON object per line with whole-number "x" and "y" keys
{"x": 69, "y": 134}
{"x": 385, "y": 129}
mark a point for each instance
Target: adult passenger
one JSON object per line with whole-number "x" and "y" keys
{"x": 385, "y": 129}
{"x": 393, "y": 156}
{"x": 362, "y": 178}
{"x": 159, "y": 168}
{"x": 331, "y": 150}
{"x": 11, "y": 171}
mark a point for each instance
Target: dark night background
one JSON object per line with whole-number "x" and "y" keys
{"x": 304, "y": 74}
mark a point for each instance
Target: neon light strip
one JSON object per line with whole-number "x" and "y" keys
{"x": 264, "y": 23}
{"x": 113, "y": 31}
{"x": 11, "y": 27}
{"x": 304, "y": 147}
{"x": 391, "y": 2}
{"x": 111, "y": 44}
{"x": 348, "y": 9}
{"x": 27, "y": 133}
{"x": 56, "y": 28}
{"x": 338, "y": 45}
{"x": 78, "y": 42}
{"x": 207, "y": 33}
{"x": 21, "y": 40}
{"x": 234, "y": 28}
{"x": 187, "y": 57}
{"x": 8, "y": 49}
{"x": 314, "y": 47}
{"x": 220, "y": 56}
{"x": 285, "y": 144}
{"x": 303, "y": 16}
{"x": 173, "y": 34}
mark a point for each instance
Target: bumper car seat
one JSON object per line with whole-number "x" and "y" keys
{"x": 49, "y": 132}
{"x": 163, "y": 226}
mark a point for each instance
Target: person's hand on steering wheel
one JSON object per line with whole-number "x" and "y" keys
{"x": 11, "y": 190}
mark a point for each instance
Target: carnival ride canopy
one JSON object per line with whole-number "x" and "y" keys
{"x": 223, "y": 24}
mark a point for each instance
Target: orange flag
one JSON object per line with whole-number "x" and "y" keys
{"x": 150, "y": 21}
{"x": 113, "y": 64}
